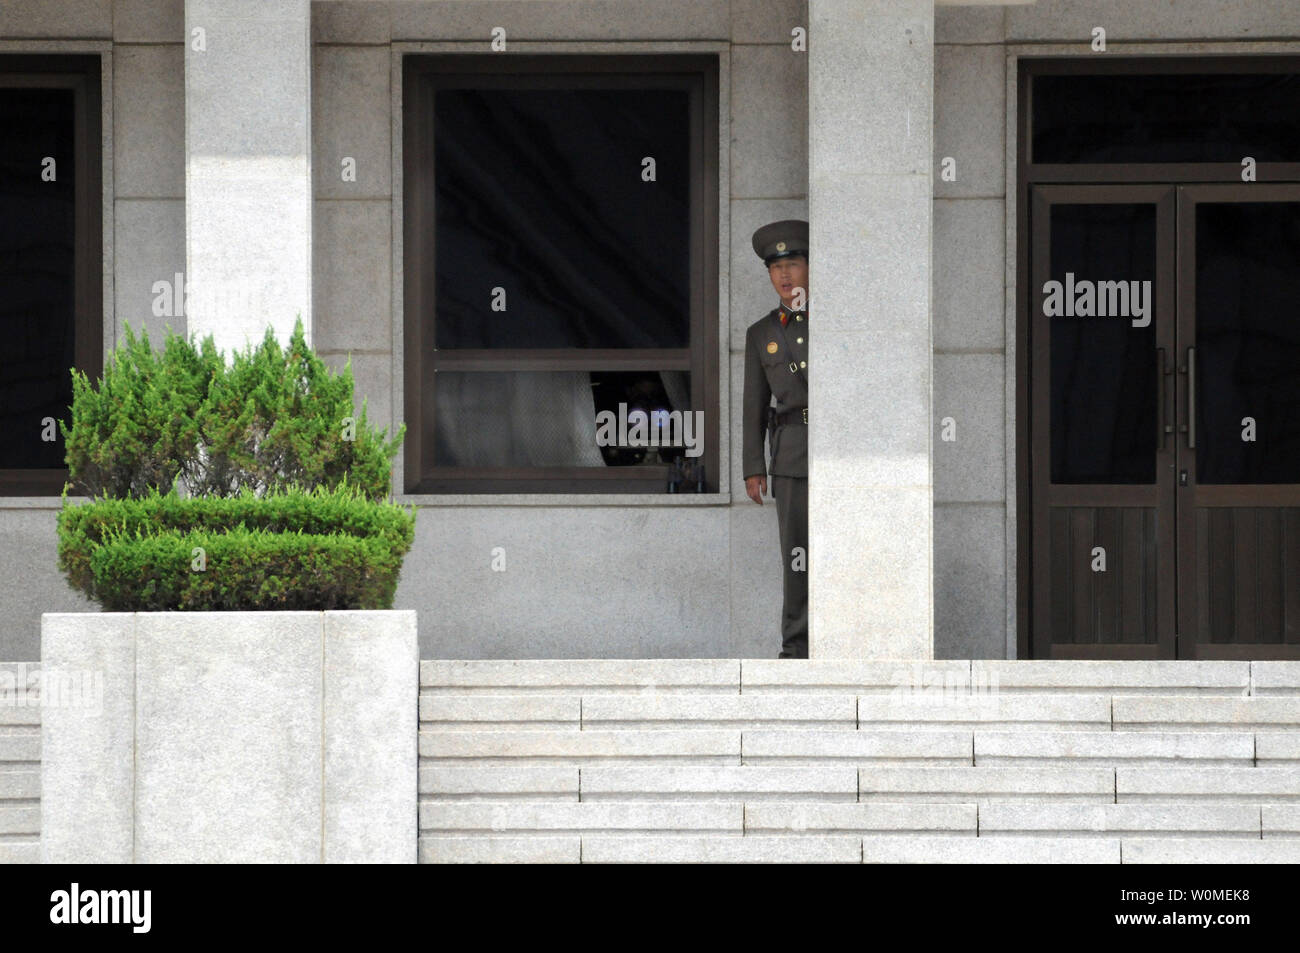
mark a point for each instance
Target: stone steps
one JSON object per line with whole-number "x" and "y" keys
{"x": 705, "y": 760}
{"x": 779, "y": 816}
{"x": 859, "y": 677}
{"x": 739, "y": 760}
{"x": 886, "y": 849}
{"x": 947, "y": 747}
{"x": 836, "y": 710}
{"x": 20, "y": 766}
{"x": 1081, "y": 783}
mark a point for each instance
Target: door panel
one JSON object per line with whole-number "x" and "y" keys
{"x": 1102, "y": 495}
{"x": 1239, "y": 386}
{"x": 1116, "y": 606}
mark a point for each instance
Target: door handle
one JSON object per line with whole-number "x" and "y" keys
{"x": 1162, "y": 392}
{"x": 1191, "y": 398}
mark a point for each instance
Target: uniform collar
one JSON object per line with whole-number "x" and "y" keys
{"x": 786, "y": 315}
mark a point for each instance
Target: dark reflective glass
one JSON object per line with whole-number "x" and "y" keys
{"x": 1248, "y": 342}
{"x": 540, "y": 193}
{"x": 1166, "y": 117}
{"x": 37, "y": 279}
{"x": 562, "y": 418}
{"x": 1103, "y": 405}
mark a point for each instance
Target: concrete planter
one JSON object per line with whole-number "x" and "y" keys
{"x": 284, "y": 737}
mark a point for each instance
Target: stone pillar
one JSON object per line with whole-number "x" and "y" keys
{"x": 870, "y": 103}
{"x": 247, "y": 168}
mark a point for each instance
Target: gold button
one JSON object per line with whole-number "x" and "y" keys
{"x": 799, "y": 318}
{"x": 803, "y": 363}
{"x": 799, "y": 340}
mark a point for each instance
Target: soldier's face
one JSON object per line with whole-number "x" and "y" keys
{"x": 789, "y": 274}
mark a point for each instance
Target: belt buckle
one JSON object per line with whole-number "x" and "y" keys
{"x": 805, "y": 415}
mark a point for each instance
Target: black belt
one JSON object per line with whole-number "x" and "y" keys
{"x": 797, "y": 416}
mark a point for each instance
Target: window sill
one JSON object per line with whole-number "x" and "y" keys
{"x": 463, "y": 499}
{"x": 563, "y": 499}
{"x": 52, "y": 502}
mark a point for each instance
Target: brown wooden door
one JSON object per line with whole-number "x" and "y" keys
{"x": 1238, "y": 457}
{"x": 1102, "y": 453}
{"x": 1165, "y": 426}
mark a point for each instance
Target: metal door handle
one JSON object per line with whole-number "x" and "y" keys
{"x": 1161, "y": 427}
{"x": 1191, "y": 398}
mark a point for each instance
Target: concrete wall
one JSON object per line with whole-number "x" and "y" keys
{"x": 585, "y": 576}
{"x": 598, "y": 577}
{"x": 144, "y": 237}
{"x": 971, "y": 492}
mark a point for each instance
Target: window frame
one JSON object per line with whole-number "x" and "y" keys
{"x": 1030, "y": 68}
{"x": 80, "y": 72}
{"x": 422, "y": 74}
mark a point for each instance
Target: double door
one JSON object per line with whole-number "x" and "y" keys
{"x": 1165, "y": 421}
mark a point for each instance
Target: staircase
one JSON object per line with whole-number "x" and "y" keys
{"x": 20, "y": 766}
{"x": 726, "y": 760}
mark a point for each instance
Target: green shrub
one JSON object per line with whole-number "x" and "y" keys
{"x": 284, "y": 506}
{"x": 273, "y": 417}
{"x": 327, "y": 548}
{"x": 140, "y": 427}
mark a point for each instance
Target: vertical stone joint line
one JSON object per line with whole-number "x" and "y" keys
{"x": 135, "y": 707}
{"x": 322, "y": 739}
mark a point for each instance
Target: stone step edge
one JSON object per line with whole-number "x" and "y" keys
{"x": 842, "y": 848}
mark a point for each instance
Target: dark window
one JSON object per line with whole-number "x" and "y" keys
{"x": 1171, "y": 110}
{"x": 553, "y": 275}
{"x": 1103, "y": 395}
{"x": 541, "y": 190}
{"x": 1248, "y": 341}
{"x": 51, "y": 303}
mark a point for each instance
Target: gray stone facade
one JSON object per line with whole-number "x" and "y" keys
{"x": 623, "y": 577}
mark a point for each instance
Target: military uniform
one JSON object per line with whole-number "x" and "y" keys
{"x": 776, "y": 365}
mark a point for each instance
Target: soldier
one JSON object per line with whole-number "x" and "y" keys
{"x": 776, "y": 364}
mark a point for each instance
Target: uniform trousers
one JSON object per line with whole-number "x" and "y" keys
{"x": 791, "y": 495}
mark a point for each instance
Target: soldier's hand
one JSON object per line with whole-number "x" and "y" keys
{"x": 756, "y": 487}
